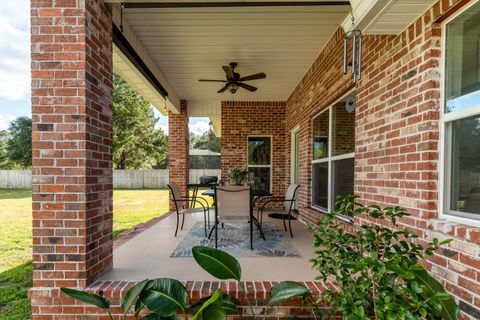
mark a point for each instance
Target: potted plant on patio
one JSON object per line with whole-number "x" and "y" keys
{"x": 237, "y": 176}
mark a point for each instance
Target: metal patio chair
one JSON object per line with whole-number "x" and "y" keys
{"x": 284, "y": 213}
{"x": 184, "y": 205}
{"x": 232, "y": 203}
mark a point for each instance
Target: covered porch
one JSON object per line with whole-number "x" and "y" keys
{"x": 383, "y": 149}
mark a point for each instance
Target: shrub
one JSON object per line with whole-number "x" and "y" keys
{"x": 377, "y": 267}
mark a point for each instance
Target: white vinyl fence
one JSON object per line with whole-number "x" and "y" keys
{"x": 125, "y": 179}
{"x": 15, "y": 179}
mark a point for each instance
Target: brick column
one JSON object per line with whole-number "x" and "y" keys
{"x": 72, "y": 147}
{"x": 178, "y": 146}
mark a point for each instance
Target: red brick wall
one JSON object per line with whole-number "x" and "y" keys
{"x": 397, "y": 140}
{"x": 241, "y": 119}
{"x": 72, "y": 142}
{"x": 178, "y": 145}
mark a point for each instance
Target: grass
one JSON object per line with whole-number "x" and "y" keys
{"x": 130, "y": 207}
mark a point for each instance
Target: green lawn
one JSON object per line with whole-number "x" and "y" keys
{"x": 130, "y": 207}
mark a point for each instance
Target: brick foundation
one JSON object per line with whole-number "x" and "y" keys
{"x": 178, "y": 146}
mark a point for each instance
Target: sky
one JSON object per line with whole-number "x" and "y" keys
{"x": 15, "y": 67}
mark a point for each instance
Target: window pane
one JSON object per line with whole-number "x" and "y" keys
{"x": 259, "y": 150}
{"x": 320, "y": 136}
{"x": 343, "y": 130}
{"x": 259, "y": 178}
{"x": 462, "y": 80}
{"x": 465, "y": 172}
{"x": 320, "y": 185}
{"x": 343, "y": 171}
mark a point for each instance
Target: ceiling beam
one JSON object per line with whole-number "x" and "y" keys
{"x": 227, "y": 4}
{"x": 122, "y": 43}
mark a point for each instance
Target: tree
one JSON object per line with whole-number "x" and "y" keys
{"x": 19, "y": 144}
{"x": 5, "y": 162}
{"x": 137, "y": 143}
{"x": 206, "y": 141}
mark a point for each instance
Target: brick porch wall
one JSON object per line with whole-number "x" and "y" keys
{"x": 241, "y": 119}
{"x": 72, "y": 147}
{"x": 397, "y": 140}
{"x": 258, "y": 294}
{"x": 178, "y": 146}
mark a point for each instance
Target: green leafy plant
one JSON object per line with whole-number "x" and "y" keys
{"x": 377, "y": 267}
{"x": 237, "y": 176}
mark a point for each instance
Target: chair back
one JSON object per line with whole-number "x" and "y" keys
{"x": 176, "y": 194}
{"x": 232, "y": 201}
{"x": 291, "y": 192}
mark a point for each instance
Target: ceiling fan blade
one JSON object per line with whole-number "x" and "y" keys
{"x": 208, "y": 80}
{"x": 223, "y": 89}
{"x": 229, "y": 72}
{"x": 247, "y": 87}
{"x": 255, "y": 76}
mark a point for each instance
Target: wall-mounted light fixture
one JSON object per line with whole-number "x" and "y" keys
{"x": 355, "y": 37}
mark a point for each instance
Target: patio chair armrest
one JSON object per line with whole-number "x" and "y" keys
{"x": 204, "y": 201}
{"x": 187, "y": 200}
{"x": 274, "y": 200}
{"x": 259, "y": 199}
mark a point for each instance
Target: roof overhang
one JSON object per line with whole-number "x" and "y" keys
{"x": 386, "y": 17}
{"x": 134, "y": 64}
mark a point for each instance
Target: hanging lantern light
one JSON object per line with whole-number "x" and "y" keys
{"x": 355, "y": 37}
{"x": 210, "y": 133}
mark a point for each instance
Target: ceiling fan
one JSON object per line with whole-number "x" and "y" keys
{"x": 234, "y": 81}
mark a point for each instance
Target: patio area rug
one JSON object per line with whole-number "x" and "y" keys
{"x": 234, "y": 238}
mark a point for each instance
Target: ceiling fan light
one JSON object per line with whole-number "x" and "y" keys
{"x": 233, "y": 87}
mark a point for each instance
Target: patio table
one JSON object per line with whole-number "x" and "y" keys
{"x": 253, "y": 194}
{"x": 195, "y": 187}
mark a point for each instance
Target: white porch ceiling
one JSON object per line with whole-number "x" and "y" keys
{"x": 192, "y": 43}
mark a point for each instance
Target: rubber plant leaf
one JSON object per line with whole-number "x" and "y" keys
{"x": 164, "y": 296}
{"x": 218, "y": 263}
{"x": 90, "y": 298}
{"x": 285, "y": 291}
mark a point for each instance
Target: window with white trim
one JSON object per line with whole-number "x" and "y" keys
{"x": 461, "y": 115}
{"x": 333, "y": 133}
{"x": 260, "y": 162}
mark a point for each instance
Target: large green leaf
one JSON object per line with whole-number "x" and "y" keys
{"x": 214, "y": 299}
{"x": 229, "y": 304}
{"x": 449, "y": 306}
{"x": 285, "y": 291}
{"x": 164, "y": 296}
{"x": 86, "y": 297}
{"x": 214, "y": 312}
{"x": 132, "y": 295}
{"x": 218, "y": 263}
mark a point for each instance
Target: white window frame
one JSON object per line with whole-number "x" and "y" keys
{"x": 329, "y": 159}
{"x": 293, "y": 133}
{"x": 446, "y": 120}
{"x": 271, "y": 156}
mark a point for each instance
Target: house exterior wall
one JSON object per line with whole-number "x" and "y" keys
{"x": 396, "y": 140}
{"x": 242, "y": 119}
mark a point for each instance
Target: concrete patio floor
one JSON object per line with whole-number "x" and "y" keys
{"x": 147, "y": 255}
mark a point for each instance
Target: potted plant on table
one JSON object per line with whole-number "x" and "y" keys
{"x": 237, "y": 176}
